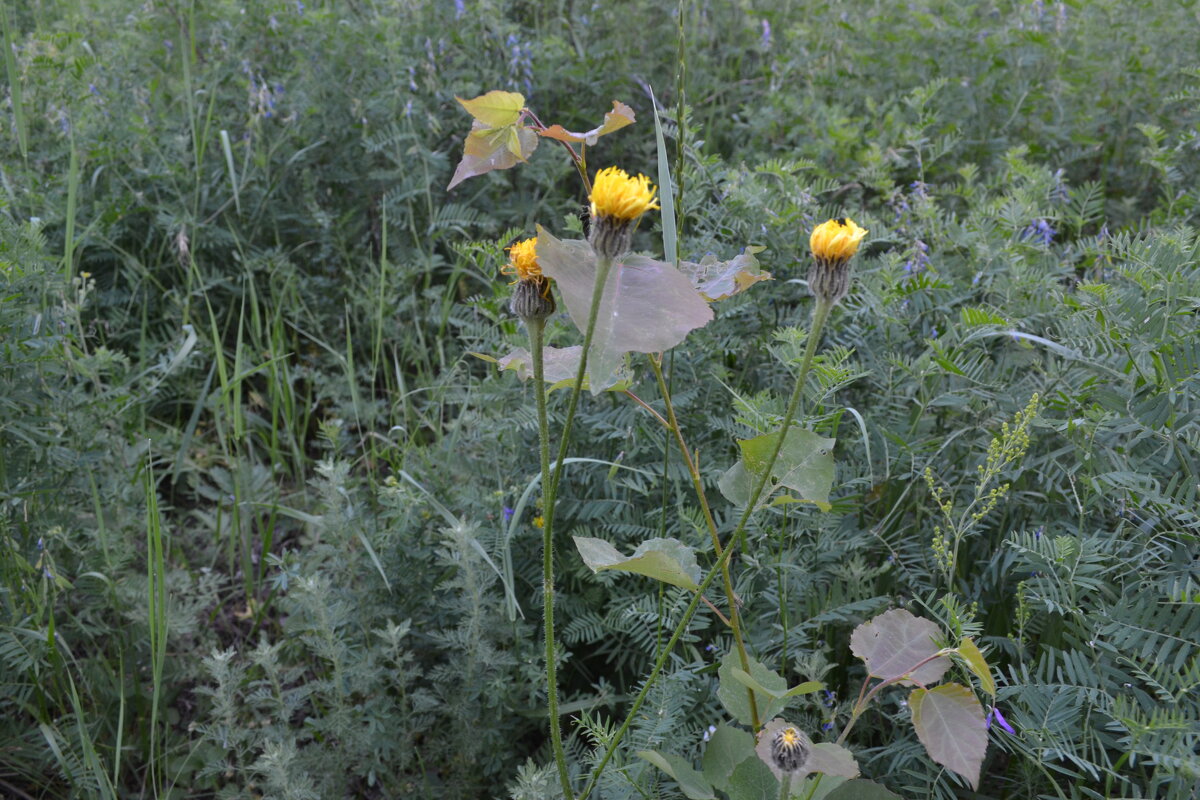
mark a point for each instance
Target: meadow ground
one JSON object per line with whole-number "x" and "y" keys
{"x": 273, "y": 522}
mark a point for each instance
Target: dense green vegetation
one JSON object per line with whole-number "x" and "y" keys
{"x": 255, "y": 491}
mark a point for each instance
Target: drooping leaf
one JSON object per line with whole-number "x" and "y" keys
{"x": 973, "y": 658}
{"x": 691, "y": 782}
{"x": 732, "y": 690}
{"x": 620, "y": 116}
{"x": 950, "y": 723}
{"x": 495, "y": 109}
{"x": 666, "y": 560}
{"x": 647, "y": 306}
{"x": 860, "y": 789}
{"x": 727, "y": 747}
{"x": 487, "y": 149}
{"x": 717, "y": 280}
{"x": 804, "y": 465}
{"x": 894, "y": 642}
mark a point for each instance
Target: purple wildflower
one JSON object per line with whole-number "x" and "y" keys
{"x": 1041, "y": 230}
{"x": 994, "y": 714}
{"x": 508, "y": 514}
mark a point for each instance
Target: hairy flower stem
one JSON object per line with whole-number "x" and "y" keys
{"x": 820, "y": 314}
{"x": 536, "y": 329}
{"x": 785, "y": 786}
{"x": 697, "y": 483}
{"x": 550, "y": 496}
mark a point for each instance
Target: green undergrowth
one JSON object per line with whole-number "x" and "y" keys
{"x": 262, "y": 529}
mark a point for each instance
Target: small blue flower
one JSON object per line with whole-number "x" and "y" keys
{"x": 994, "y": 714}
{"x": 508, "y": 514}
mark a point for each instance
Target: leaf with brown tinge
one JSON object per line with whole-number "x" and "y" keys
{"x": 614, "y": 120}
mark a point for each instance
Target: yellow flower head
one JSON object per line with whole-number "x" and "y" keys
{"x": 615, "y": 195}
{"x": 522, "y": 261}
{"x": 836, "y": 240}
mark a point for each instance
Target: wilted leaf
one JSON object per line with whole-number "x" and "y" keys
{"x": 733, "y": 694}
{"x": 488, "y": 149}
{"x": 975, "y": 662}
{"x": 614, "y": 120}
{"x": 496, "y": 109}
{"x": 894, "y": 642}
{"x": 666, "y": 560}
{"x": 647, "y": 307}
{"x": 727, "y": 748}
{"x": 804, "y": 465}
{"x": 716, "y": 280}
{"x": 691, "y": 782}
{"x": 950, "y": 723}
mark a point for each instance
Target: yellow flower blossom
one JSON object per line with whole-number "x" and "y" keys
{"x": 616, "y": 195}
{"x": 522, "y": 261}
{"x": 836, "y": 240}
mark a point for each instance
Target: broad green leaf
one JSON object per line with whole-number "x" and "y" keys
{"x": 716, "y": 280}
{"x": 559, "y": 367}
{"x": 894, "y": 642}
{"x": 691, "y": 782}
{"x": 975, "y": 662}
{"x": 487, "y": 149}
{"x": 496, "y": 109}
{"x": 614, "y": 120}
{"x": 736, "y": 484}
{"x": 860, "y": 789}
{"x": 727, "y": 748}
{"x": 647, "y": 307}
{"x": 666, "y": 560}
{"x": 808, "y": 687}
{"x": 832, "y": 759}
{"x": 752, "y": 780}
{"x": 951, "y": 725}
{"x": 805, "y": 463}
{"x": 732, "y": 692}
{"x": 815, "y": 787}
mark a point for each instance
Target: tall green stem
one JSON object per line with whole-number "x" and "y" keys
{"x": 820, "y": 314}
{"x": 550, "y": 496}
{"x": 698, "y": 485}
{"x": 536, "y": 329}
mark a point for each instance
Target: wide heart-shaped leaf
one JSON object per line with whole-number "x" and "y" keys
{"x": 804, "y": 465}
{"x": 895, "y": 642}
{"x": 488, "y": 149}
{"x": 691, "y": 782}
{"x": 647, "y": 306}
{"x": 614, "y": 120}
{"x": 716, "y": 279}
{"x": 495, "y": 109}
{"x": 727, "y": 747}
{"x": 666, "y": 560}
{"x": 951, "y": 725}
